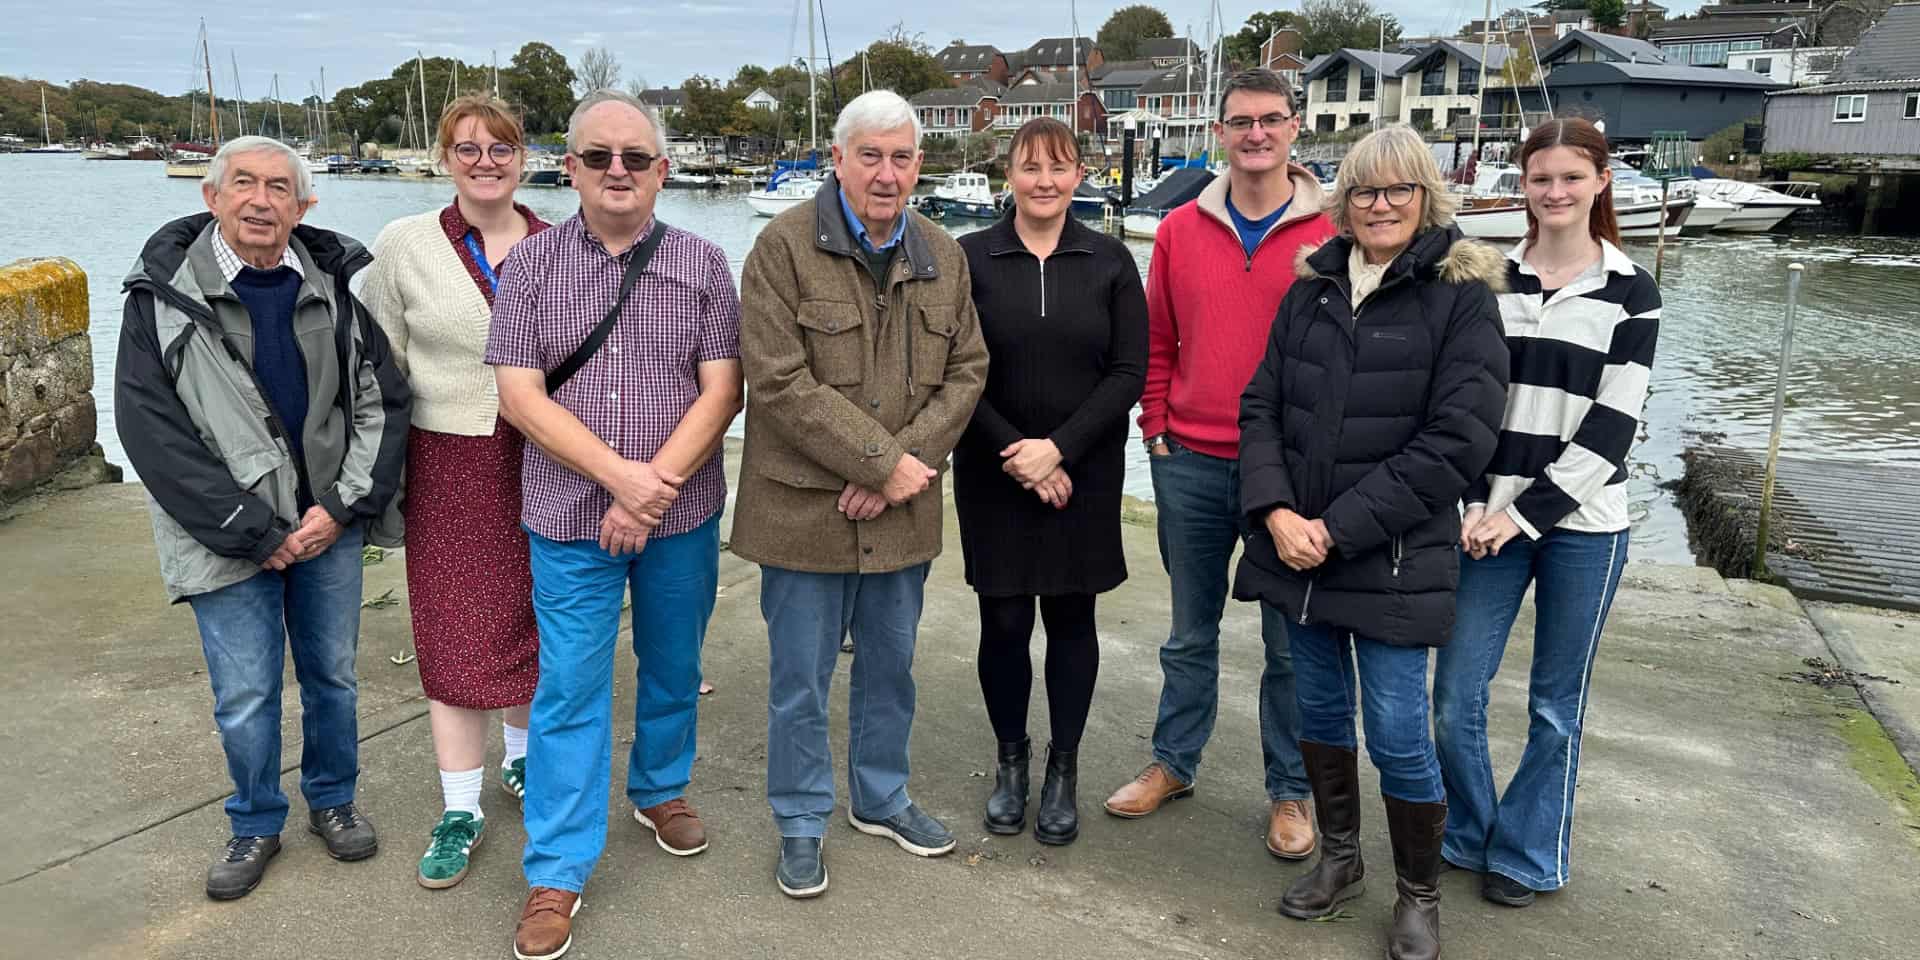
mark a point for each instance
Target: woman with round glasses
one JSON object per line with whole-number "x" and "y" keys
{"x": 1376, "y": 405}
{"x": 468, "y": 580}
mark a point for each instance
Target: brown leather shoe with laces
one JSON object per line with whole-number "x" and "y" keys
{"x": 1146, "y": 792}
{"x": 675, "y": 825}
{"x": 546, "y": 924}
{"x": 1290, "y": 830}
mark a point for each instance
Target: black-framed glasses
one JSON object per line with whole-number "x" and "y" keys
{"x": 635, "y": 161}
{"x": 1397, "y": 194}
{"x": 1270, "y": 121}
{"x": 469, "y": 152}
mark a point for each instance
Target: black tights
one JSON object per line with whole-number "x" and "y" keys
{"x": 1006, "y": 666}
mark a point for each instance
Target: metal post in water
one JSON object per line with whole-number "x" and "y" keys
{"x": 1779, "y": 411}
{"x": 1660, "y": 245}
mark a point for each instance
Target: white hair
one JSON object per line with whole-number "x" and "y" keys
{"x": 609, "y": 95}
{"x": 874, "y": 111}
{"x": 302, "y": 177}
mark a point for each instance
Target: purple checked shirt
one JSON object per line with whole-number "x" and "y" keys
{"x": 555, "y": 286}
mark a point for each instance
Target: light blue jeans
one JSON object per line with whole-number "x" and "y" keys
{"x": 245, "y": 631}
{"x": 807, "y": 614}
{"x": 577, "y": 594}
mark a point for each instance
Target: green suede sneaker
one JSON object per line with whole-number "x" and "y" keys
{"x": 450, "y": 849}
{"x": 513, "y": 778}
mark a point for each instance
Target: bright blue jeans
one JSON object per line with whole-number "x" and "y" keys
{"x": 577, "y": 593}
{"x": 1526, "y": 833}
{"x": 1392, "y": 690}
{"x": 245, "y": 631}
{"x": 1198, "y": 498}
{"x": 807, "y": 614}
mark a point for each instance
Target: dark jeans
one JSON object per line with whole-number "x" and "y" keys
{"x": 1526, "y": 833}
{"x": 1392, "y": 690}
{"x": 1006, "y": 665}
{"x": 1198, "y": 498}
{"x": 245, "y": 631}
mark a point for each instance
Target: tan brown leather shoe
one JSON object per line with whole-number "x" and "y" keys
{"x": 546, "y": 924}
{"x": 676, "y": 827}
{"x": 1146, "y": 792}
{"x": 1290, "y": 830}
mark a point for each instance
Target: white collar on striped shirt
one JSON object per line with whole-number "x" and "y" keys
{"x": 230, "y": 262}
{"x": 1612, "y": 259}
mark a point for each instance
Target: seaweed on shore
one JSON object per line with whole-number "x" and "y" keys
{"x": 1723, "y": 517}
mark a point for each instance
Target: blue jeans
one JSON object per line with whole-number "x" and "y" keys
{"x": 1392, "y": 691}
{"x": 245, "y": 631}
{"x": 807, "y": 614}
{"x": 577, "y": 593}
{"x": 1525, "y": 834}
{"x": 1198, "y": 498}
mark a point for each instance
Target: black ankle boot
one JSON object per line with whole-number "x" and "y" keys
{"x": 1058, "y": 821}
{"x": 1335, "y": 775}
{"x": 1416, "y": 829}
{"x": 1007, "y": 806}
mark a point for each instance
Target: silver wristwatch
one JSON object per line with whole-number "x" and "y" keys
{"x": 1155, "y": 440}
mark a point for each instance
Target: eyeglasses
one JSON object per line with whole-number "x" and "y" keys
{"x": 635, "y": 161}
{"x": 469, "y": 152}
{"x": 1398, "y": 195}
{"x": 1271, "y": 121}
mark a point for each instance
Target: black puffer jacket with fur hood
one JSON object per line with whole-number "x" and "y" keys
{"x": 1375, "y": 419}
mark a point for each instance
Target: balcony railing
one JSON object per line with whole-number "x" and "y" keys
{"x": 1433, "y": 89}
{"x": 1508, "y": 123}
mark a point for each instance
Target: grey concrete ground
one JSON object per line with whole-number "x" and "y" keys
{"x": 1726, "y": 809}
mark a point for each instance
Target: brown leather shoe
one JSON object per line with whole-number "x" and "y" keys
{"x": 546, "y": 924}
{"x": 676, "y": 827}
{"x": 1290, "y": 830}
{"x": 1153, "y": 787}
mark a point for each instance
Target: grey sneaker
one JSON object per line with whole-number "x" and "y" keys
{"x": 241, "y": 866}
{"x": 348, "y": 833}
{"x": 802, "y": 872}
{"x": 912, "y": 829}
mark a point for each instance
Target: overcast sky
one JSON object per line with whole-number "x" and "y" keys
{"x": 151, "y": 42}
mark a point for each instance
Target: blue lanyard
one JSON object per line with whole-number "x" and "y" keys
{"x": 480, "y": 257}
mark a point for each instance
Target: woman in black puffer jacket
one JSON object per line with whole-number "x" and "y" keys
{"x": 1378, "y": 402}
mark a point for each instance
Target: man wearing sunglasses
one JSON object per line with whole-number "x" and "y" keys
{"x": 616, "y": 345}
{"x": 1220, "y": 267}
{"x": 860, "y": 339}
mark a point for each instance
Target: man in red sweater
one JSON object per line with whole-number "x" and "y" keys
{"x": 1220, "y": 266}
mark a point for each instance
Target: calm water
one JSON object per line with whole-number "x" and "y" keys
{"x": 1855, "y": 388}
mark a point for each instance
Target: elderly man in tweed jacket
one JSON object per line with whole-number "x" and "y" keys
{"x": 863, "y": 360}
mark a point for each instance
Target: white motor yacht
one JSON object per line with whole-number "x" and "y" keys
{"x": 1760, "y": 206}
{"x": 783, "y": 192}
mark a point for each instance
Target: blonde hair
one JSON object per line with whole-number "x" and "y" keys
{"x": 1393, "y": 154}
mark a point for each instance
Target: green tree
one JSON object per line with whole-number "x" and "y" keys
{"x": 1120, "y": 36}
{"x": 711, "y": 110}
{"x": 747, "y": 78}
{"x": 540, "y": 82}
{"x": 1244, "y": 47}
{"x": 900, "y": 62}
{"x": 1329, "y": 25}
{"x": 1608, "y": 14}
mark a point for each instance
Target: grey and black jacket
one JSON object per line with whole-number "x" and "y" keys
{"x": 220, "y": 476}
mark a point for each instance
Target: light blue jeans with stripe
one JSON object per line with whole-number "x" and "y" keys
{"x": 1526, "y": 833}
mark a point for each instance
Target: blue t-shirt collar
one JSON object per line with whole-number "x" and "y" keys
{"x": 860, "y": 229}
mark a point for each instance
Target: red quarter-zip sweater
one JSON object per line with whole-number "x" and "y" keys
{"x": 1210, "y": 308}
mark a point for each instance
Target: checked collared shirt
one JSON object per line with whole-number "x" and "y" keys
{"x": 554, "y": 288}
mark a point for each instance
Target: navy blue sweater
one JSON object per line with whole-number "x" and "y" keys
{"x": 270, "y": 296}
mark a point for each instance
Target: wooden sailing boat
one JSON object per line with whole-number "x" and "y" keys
{"x": 186, "y": 167}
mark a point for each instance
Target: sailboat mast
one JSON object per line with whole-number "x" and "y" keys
{"x": 239, "y": 96}
{"x": 420, "y": 62}
{"x": 46, "y": 132}
{"x": 1073, "y": 21}
{"x": 213, "y": 104}
{"x": 325, "y": 133}
{"x": 813, "y": 86}
{"x": 1486, "y": 38}
{"x": 279, "y": 118}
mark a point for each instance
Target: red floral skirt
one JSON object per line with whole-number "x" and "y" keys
{"x": 468, "y": 574}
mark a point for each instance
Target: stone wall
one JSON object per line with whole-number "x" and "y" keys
{"x": 47, "y": 415}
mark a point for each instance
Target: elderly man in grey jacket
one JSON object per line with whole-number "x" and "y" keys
{"x": 265, "y": 414}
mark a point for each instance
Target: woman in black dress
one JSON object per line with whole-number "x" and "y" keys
{"x": 1037, "y": 477}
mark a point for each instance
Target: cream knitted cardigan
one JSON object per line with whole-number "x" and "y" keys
{"x": 434, "y": 315}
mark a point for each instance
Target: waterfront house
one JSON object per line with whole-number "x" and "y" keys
{"x": 1055, "y": 57}
{"x": 1352, "y": 88}
{"x": 1868, "y": 111}
{"x": 1177, "y": 100}
{"x": 1118, "y": 83}
{"x": 1281, "y": 53}
{"x": 1706, "y": 42}
{"x": 1795, "y": 67}
{"x": 967, "y": 63}
{"x": 955, "y": 111}
{"x": 760, "y": 99}
{"x": 1441, "y": 84}
{"x": 665, "y": 101}
{"x": 1638, "y": 99}
{"x": 1074, "y": 105}
{"x": 1170, "y": 51}
{"x": 1589, "y": 46}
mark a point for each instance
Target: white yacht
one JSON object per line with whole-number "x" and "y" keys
{"x": 1760, "y": 206}
{"x": 785, "y": 190}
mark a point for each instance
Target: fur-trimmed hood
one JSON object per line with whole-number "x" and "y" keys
{"x": 1445, "y": 254}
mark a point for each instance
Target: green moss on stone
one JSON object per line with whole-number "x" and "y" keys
{"x": 1873, "y": 756}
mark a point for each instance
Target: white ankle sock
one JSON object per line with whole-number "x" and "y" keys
{"x": 516, "y": 738}
{"x": 461, "y": 788}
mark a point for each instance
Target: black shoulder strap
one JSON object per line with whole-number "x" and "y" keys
{"x": 581, "y": 354}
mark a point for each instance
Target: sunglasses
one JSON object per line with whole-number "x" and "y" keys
{"x": 469, "y": 152}
{"x": 635, "y": 161}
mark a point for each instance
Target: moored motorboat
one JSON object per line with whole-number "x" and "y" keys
{"x": 1761, "y": 206}
{"x": 963, "y": 195}
{"x": 784, "y": 191}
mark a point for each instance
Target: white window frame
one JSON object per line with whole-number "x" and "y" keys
{"x": 1911, "y": 111}
{"x": 1855, "y": 108}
